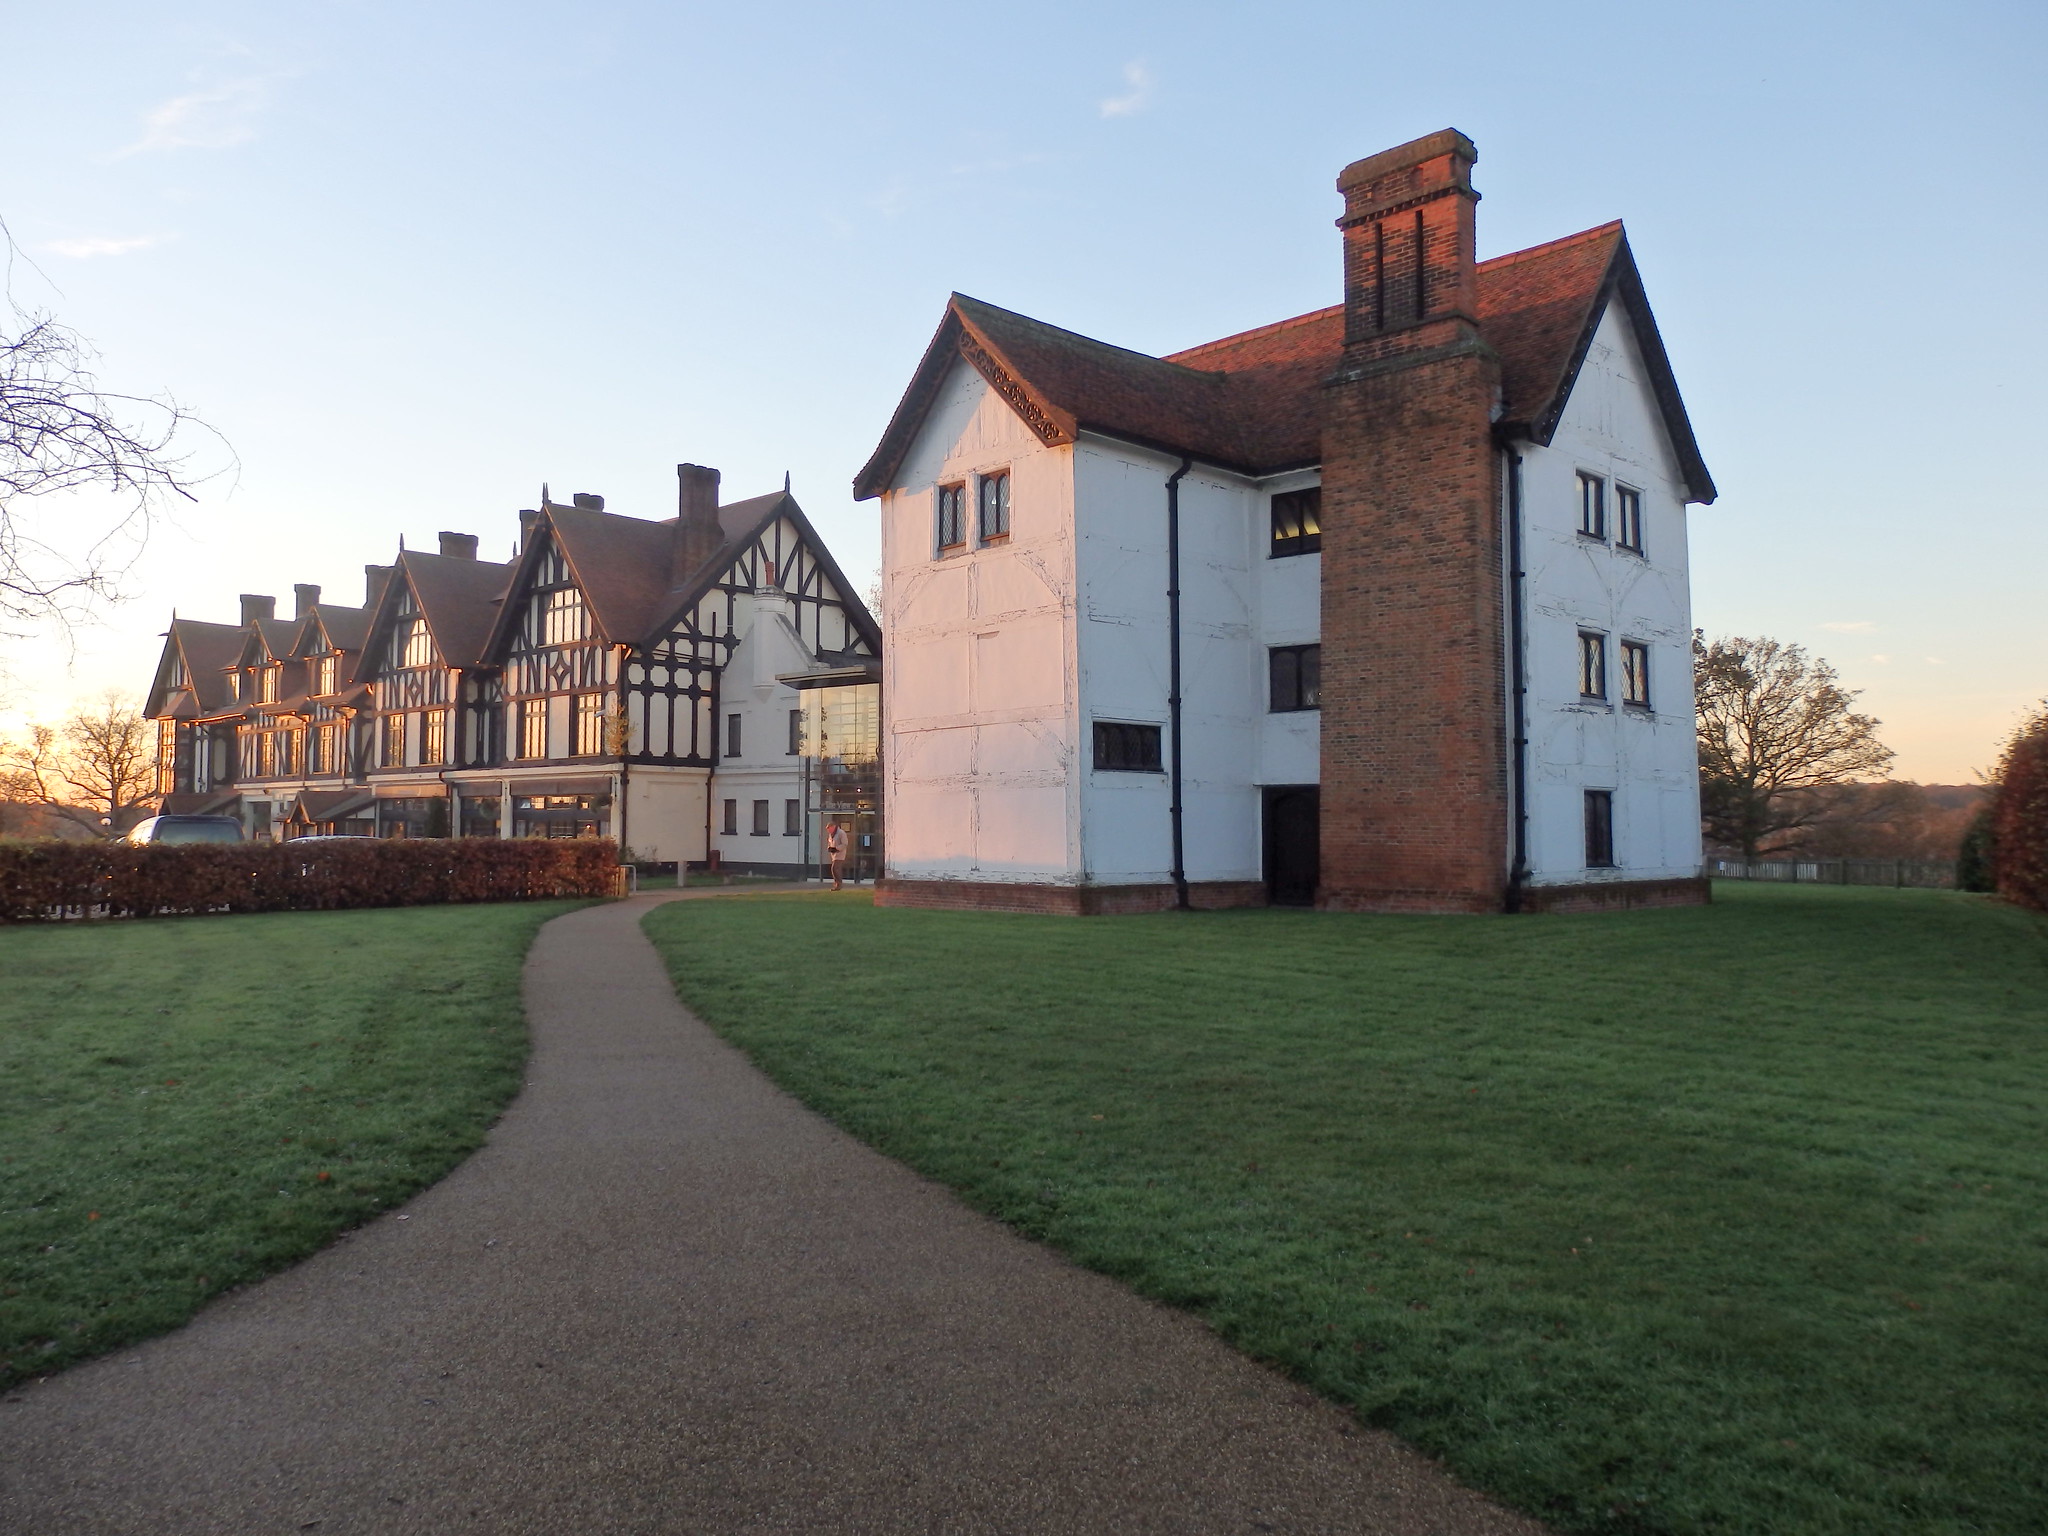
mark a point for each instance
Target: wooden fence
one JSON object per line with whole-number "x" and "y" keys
{"x": 1920, "y": 874}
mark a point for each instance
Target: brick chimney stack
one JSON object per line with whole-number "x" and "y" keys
{"x": 461, "y": 546}
{"x": 255, "y": 607}
{"x": 304, "y": 596}
{"x": 374, "y": 577}
{"x": 698, "y": 535}
{"x": 1414, "y": 750}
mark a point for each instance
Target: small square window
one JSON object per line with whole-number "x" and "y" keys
{"x": 731, "y": 825}
{"x": 1628, "y": 519}
{"x": 952, "y": 509}
{"x": 732, "y": 735}
{"x": 760, "y": 818}
{"x": 792, "y": 818}
{"x": 1599, "y": 829}
{"x": 1592, "y": 665}
{"x": 1592, "y": 506}
{"x": 995, "y": 507}
{"x": 1294, "y": 674}
{"x": 1297, "y": 523}
{"x": 1126, "y": 748}
{"x": 1635, "y": 673}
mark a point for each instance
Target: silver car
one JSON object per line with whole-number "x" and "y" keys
{"x": 187, "y": 829}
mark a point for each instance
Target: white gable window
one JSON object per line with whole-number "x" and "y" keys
{"x": 1628, "y": 519}
{"x": 994, "y": 499}
{"x": 564, "y": 619}
{"x": 411, "y": 644}
{"x": 1592, "y": 506}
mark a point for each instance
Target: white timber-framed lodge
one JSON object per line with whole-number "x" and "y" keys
{"x": 701, "y": 688}
{"x": 1382, "y": 607}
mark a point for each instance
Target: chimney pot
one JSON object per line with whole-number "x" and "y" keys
{"x": 589, "y": 501}
{"x": 304, "y": 595}
{"x": 697, "y": 532}
{"x": 256, "y": 607}
{"x": 460, "y": 545}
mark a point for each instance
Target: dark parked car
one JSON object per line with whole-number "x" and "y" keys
{"x": 187, "y": 829}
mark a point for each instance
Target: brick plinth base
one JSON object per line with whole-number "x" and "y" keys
{"x": 1616, "y": 895}
{"x": 1063, "y": 900}
{"x": 1408, "y": 901}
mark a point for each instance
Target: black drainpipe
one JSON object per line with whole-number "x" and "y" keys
{"x": 1518, "y": 686}
{"x": 1180, "y": 866}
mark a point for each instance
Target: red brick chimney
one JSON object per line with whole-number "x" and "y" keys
{"x": 460, "y": 545}
{"x": 255, "y": 606}
{"x": 1414, "y": 769}
{"x": 698, "y": 535}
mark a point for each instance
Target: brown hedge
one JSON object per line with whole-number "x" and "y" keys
{"x": 54, "y": 880}
{"x": 2019, "y": 815}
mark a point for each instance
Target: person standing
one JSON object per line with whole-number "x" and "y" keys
{"x": 835, "y": 851}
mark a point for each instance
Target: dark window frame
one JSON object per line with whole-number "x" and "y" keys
{"x": 1294, "y": 678}
{"x": 1128, "y": 746}
{"x": 734, "y": 735}
{"x": 792, "y": 818}
{"x": 729, "y": 826}
{"x": 1592, "y": 665}
{"x": 949, "y": 506}
{"x": 1592, "y": 506}
{"x": 1296, "y": 523}
{"x": 796, "y": 733}
{"x": 992, "y": 506}
{"x": 1600, "y": 829}
{"x": 1628, "y": 518}
{"x": 1635, "y": 674}
{"x": 760, "y": 819}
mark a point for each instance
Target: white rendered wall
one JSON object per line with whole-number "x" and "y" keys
{"x": 978, "y": 694}
{"x": 665, "y": 812}
{"x": 764, "y": 768}
{"x": 1611, "y": 427}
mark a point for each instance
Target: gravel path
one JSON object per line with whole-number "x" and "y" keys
{"x": 667, "y": 1298}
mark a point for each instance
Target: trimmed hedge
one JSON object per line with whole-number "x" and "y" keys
{"x": 55, "y": 880}
{"x": 2019, "y": 816}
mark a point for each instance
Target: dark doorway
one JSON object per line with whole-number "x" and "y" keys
{"x": 1294, "y": 828}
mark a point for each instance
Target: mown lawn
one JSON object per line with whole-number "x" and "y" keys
{"x": 1716, "y": 1220}
{"x": 189, "y": 1104}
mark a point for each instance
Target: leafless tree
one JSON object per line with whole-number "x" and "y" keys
{"x": 61, "y": 431}
{"x": 1776, "y": 732}
{"x": 97, "y": 770}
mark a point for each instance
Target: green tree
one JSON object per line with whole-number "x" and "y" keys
{"x": 1776, "y": 731}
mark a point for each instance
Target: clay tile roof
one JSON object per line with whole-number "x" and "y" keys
{"x": 209, "y": 650}
{"x": 277, "y": 635}
{"x": 1253, "y": 401}
{"x": 456, "y": 596}
{"x": 621, "y": 563}
{"x": 346, "y": 628}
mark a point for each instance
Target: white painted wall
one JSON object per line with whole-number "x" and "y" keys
{"x": 1610, "y": 427}
{"x": 764, "y": 768}
{"x": 978, "y": 696}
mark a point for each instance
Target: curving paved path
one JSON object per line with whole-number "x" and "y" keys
{"x": 667, "y": 1298}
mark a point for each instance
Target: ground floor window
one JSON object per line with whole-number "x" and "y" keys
{"x": 1599, "y": 829}
{"x": 731, "y": 825}
{"x": 413, "y": 816}
{"x": 792, "y": 818}
{"x": 760, "y": 818}
{"x": 480, "y": 815}
{"x": 1127, "y": 748}
{"x": 561, "y": 815}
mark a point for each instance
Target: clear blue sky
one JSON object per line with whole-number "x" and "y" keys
{"x": 414, "y": 259}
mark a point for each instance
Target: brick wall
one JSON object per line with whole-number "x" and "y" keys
{"x": 1414, "y": 776}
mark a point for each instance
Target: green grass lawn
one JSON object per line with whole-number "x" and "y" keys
{"x": 1724, "y": 1219}
{"x": 189, "y": 1104}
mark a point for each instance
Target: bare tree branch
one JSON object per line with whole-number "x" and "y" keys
{"x": 96, "y": 770}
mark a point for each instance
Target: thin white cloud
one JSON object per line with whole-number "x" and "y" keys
{"x": 1137, "y": 98}
{"x": 219, "y": 118}
{"x": 85, "y": 247}
{"x": 1882, "y": 661}
{"x": 1852, "y": 627}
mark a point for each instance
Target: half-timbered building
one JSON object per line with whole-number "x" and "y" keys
{"x": 704, "y": 685}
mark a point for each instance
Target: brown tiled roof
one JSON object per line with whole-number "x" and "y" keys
{"x": 456, "y": 596}
{"x": 208, "y": 651}
{"x": 345, "y": 628}
{"x": 621, "y": 563}
{"x": 1252, "y": 401}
